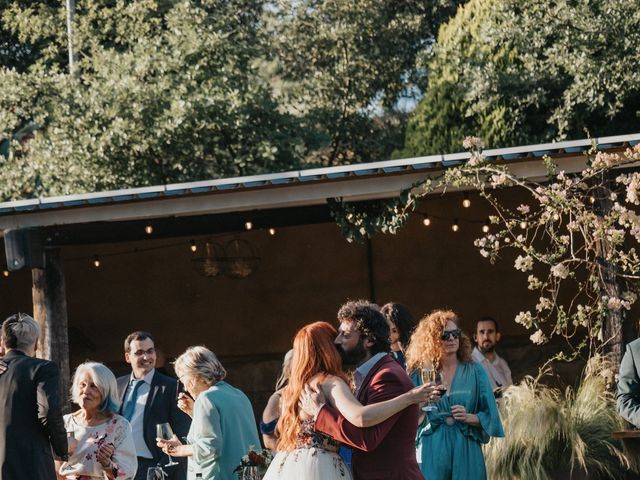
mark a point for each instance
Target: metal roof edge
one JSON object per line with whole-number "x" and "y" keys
{"x": 312, "y": 174}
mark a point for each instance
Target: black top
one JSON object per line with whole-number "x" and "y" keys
{"x": 31, "y": 418}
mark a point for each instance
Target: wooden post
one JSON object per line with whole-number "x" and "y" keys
{"x": 50, "y": 311}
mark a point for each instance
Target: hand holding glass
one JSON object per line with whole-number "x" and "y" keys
{"x": 164, "y": 432}
{"x": 429, "y": 374}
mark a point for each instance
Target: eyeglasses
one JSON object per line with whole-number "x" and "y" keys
{"x": 451, "y": 333}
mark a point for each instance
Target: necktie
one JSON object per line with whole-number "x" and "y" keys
{"x": 130, "y": 405}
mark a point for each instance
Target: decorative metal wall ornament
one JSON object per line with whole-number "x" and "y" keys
{"x": 237, "y": 259}
{"x": 208, "y": 259}
{"x": 241, "y": 258}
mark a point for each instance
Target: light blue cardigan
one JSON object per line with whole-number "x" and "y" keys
{"x": 222, "y": 431}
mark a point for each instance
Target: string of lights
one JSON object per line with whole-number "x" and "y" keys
{"x": 97, "y": 260}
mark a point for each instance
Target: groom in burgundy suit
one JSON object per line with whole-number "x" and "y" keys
{"x": 387, "y": 450}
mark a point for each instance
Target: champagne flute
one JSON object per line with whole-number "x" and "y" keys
{"x": 429, "y": 373}
{"x": 164, "y": 432}
{"x": 155, "y": 473}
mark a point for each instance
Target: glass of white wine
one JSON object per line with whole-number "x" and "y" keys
{"x": 429, "y": 374}
{"x": 164, "y": 432}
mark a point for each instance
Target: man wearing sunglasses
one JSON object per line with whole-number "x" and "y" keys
{"x": 487, "y": 336}
{"x": 149, "y": 398}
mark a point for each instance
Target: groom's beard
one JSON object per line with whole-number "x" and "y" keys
{"x": 353, "y": 356}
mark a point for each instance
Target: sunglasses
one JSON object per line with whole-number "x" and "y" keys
{"x": 451, "y": 333}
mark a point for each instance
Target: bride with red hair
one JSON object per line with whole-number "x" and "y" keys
{"x": 304, "y": 453}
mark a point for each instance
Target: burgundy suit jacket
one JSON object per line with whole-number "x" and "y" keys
{"x": 387, "y": 450}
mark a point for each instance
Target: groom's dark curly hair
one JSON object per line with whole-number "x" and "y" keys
{"x": 369, "y": 322}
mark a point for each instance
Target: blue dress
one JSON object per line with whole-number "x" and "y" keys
{"x": 450, "y": 450}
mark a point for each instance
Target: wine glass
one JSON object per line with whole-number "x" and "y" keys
{"x": 429, "y": 373}
{"x": 155, "y": 473}
{"x": 164, "y": 432}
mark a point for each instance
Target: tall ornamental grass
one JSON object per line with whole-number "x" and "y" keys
{"x": 548, "y": 430}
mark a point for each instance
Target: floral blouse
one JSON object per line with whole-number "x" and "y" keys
{"x": 83, "y": 463}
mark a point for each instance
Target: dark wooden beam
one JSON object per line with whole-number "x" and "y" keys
{"x": 50, "y": 311}
{"x": 175, "y": 227}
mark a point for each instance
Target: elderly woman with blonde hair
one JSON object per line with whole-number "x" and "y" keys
{"x": 451, "y": 433}
{"x": 103, "y": 446}
{"x": 223, "y": 426}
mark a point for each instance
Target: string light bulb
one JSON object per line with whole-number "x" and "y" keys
{"x": 193, "y": 246}
{"x": 5, "y": 273}
{"x": 466, "y": 203}
{"x": 455, "y": 227}
{"x": 556, "y": 216}
{"x": 272, "y": 231}
{"x": 427, "y": 221}
{"x": 485, "y": 227}
{"x": 592, "y": 199}
{"x": 248, "y": 225}
{"x": 148, "y": 229}
{"x": 96, "y": 261}
{"x": 523, "y": 225}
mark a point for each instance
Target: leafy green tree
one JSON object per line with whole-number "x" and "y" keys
{"x": 514, "y": 73}
{"x": 165, "y": 92}
{"x": 342, "y": 67}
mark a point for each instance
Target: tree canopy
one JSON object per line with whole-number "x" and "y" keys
{"x": 518, "y": 73}
{"x": 173, "y": 90}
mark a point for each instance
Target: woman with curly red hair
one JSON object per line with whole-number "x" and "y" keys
{"x": 304, "y": 453}
{"x": 450, "y": 436}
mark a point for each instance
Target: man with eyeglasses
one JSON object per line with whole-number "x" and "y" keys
{"x": 149, "y": 398}
{"x": 487, "y": 336}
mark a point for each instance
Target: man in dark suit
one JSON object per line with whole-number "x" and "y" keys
{"x": 387, "y": 450}
{"x": 628, "y": 393}
{"x": 31, "y": 417}
{"x": 148, "y": 399}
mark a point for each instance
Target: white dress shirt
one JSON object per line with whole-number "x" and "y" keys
{"x": 362, "y": 371}
{"x": 138, "y": 414}
{"x": 497, "y": 370}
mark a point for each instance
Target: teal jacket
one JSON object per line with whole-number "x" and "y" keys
{"x": 628, "y": 394}
{"x": 222, "y": 431}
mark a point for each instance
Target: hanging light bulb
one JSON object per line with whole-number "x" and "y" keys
{"x": 148, "y": 229}
{"x": 5, "y": 272}
{"x": 193, "y": 246}
{"x": 523, "y": 225}
{"x": 272, "y": 231}
{"x": 455, "y": 227}
{"x": 248, "y": 225}
{"x": 466, "y": 203}
{"x": 96, "y": 261}
{"x": 485, "y": 227}
{"x": 427, "y": 221}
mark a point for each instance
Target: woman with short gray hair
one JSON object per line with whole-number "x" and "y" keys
{"x": 223, "y": 427}
{"x": 104, "y": 441}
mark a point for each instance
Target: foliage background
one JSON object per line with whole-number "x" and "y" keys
{"x": 177, "y": 90}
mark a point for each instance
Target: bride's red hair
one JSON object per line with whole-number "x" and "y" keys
{"x": 314, "y": 352}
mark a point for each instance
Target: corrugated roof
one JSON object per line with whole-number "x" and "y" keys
{"x": 407, "y": 165}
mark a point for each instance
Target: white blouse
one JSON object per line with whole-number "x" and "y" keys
{"x": 83, "y": 463}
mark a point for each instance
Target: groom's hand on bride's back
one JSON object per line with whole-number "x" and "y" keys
{"x": 311, "y": 401}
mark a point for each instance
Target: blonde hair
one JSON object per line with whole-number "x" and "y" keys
{"x": 200, "y": 362}
{"x": 104, "y": 380}
{"x": 286, "y": 370}
{"x": 426, "y": 342}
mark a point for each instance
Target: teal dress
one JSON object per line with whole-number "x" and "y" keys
{"x": 450, "y": 450}
{"x": 222, "y": 431}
